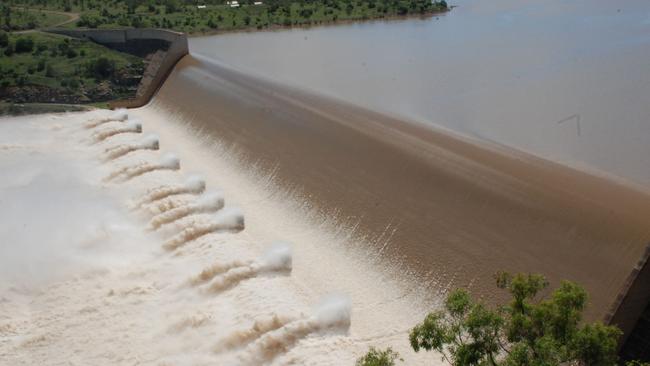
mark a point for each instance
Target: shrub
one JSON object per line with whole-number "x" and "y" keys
{"x": 101, "y": 68}
{"x": 376, "y": 357}
{"x": 21, "y": 80}
{"x": 24, "y": 45}
{"x": 90, "y": 21}
{"x": 71, "y": 53}
{"x": 41, "y": 47}
{"x": 49, "y": 71}
{"x": 41, "y": 65}
{"x": 9, "y": 50}
{"x": 4, "y": 38}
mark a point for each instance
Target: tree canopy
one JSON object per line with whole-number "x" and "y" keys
{"x": 530, "y": 330}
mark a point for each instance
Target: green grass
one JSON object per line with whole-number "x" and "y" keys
{"x": 24, "y": 18}
{"x": 50, "y": 65}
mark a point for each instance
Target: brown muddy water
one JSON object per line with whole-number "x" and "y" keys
{"x": 448, "y": 140}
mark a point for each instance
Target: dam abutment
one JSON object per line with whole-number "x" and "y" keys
{"x": 165, "y": 47}
{"x": 631, "y": 312}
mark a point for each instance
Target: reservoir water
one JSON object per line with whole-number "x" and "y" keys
{"x": 565, "y": 80}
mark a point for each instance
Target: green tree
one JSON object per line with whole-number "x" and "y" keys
{"x": 376, "y": 357}
{"x": 527, "y": 331}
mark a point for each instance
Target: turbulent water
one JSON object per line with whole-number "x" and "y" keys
{"x": 185, "y": 258}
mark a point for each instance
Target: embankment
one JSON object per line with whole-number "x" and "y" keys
{"x": 165, "y": 47}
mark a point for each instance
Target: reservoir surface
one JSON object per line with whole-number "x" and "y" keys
{"x": 564, "y": 80}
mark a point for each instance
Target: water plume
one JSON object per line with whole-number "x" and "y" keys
{"x": 333, "y": 313}
{"x": 216, "y": 269}
{"x": 228, "y": 220}
{"x": 158, "y": 207}
{"x": 119, "y": 115}
{"x": 150, "y": 142}
{"x": 167, "y": 162}
{"x": 193, "y": 185}
{"x": 276, "y": 259}
{"x": 207, "y": 203}
{"x": 241, "y": 338}
{"x": 131, "y": 127}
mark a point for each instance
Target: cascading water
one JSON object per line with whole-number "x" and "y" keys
{"x": 193, "y": 185}
{"x": 333, "y": 313}
{"x": 150, "y": 142}
{"x": 82, "y": 275}
{"x": 228, "y": 220}
{"x": 207, "y": 203}
{"x": 129, "y": 127}
{"x": 119, "y": 115}
{"x": 168, "y": 162}
{"x": 277, "y": 259}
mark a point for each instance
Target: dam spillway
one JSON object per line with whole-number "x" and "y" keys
{"x": 457, "y": 211}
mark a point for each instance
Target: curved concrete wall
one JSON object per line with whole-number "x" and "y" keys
{"x": 156, "y": 71}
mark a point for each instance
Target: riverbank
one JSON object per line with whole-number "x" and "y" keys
{"x": 333, "y": 23}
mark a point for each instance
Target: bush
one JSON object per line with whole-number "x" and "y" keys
{"x": 49, "y": 71}
{"x": 71, "y": 53}
{"x": 376, "y": 357}
{"x": 24, "y": 45}
{"x": 41, "y": 65}
{"x": 9, "y": 50}
{"x": 21, "y": 80}
{"x": 41, "y": 47}
{"x": 101, "y": 68}
{"x": 4, "y": 38}
{"x": 90, "y": 21}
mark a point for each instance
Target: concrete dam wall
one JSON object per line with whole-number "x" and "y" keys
{"x": 166, "y": 48}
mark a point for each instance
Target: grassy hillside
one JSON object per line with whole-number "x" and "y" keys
{"x": 19, "y": 18}
{"x": 39, "y": 67}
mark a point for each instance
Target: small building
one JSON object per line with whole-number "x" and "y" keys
{"x": 233, "y": 4}
{"x": 257, "y": 3}
{"x": 201, "y": 6}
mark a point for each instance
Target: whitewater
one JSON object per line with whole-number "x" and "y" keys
{"x": 129, "y": 238}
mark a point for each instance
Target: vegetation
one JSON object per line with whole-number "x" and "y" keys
{"x": 21, "y": 18}
{"x": 39, "y": 67}
{"x": 528, "y": 331}
{"x": 376, "y": 357}
{"x": 186, "y": 16}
